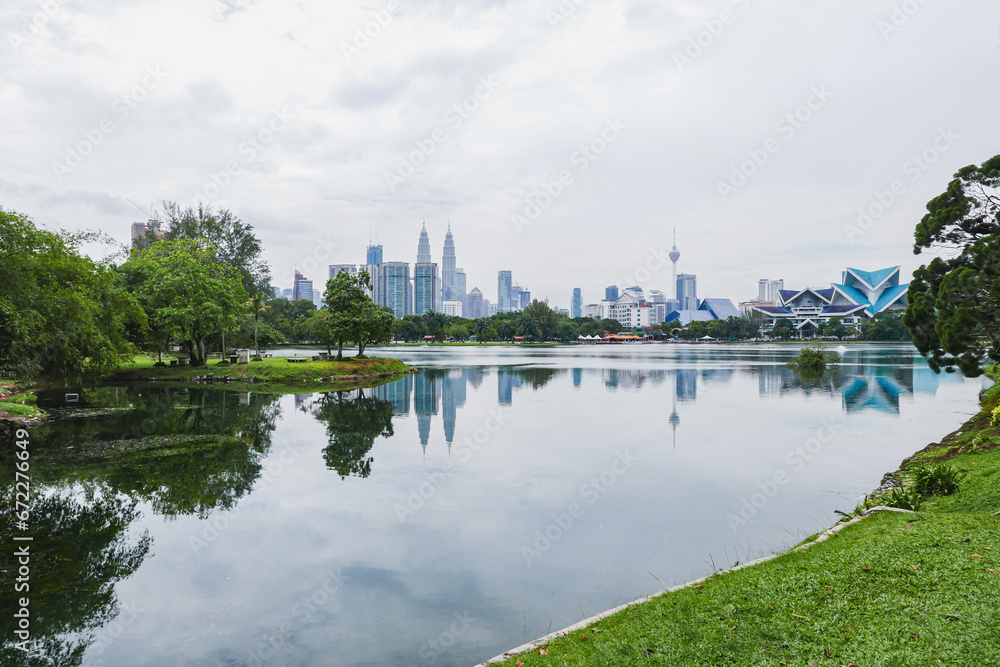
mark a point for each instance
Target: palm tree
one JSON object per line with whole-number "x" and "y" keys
{"x": 257, "y": 305}
{"x": 506, "y": 330}
{"x": 482, "y": 329}
{"x": 435, "y": 323}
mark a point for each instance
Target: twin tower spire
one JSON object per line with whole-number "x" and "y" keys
{"x": 450, "y": 291}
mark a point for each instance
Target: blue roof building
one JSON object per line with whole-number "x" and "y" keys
{"x": 710, "y": 309}
{"x": 860, "y": 295}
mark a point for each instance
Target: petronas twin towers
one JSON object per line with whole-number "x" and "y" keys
{"x": 431, "y": 292}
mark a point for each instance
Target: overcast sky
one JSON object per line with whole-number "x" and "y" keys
{"x": 319, "y": 134}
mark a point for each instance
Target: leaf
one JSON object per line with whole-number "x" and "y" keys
{"x": 543, "y": 651}
{"x": 518, "y": 663}
{"x": 976, "y": 556}
{"x": 797, "y": 616}
{"x": 826, "y": 654}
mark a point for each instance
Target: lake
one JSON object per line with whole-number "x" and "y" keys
{"x": 497, "y": 495}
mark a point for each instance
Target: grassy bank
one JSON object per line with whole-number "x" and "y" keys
{"x": 891, "y": 589}
{"x": 271, "y": 373}
{"x": 17, "y": 403}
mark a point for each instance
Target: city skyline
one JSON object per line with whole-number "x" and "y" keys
{"x": 304, "y": 157}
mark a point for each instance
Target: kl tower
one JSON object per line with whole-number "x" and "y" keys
{"x": 674, "y": 256}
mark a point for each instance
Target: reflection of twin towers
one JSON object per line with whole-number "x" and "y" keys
{"x": 443, "y": 391}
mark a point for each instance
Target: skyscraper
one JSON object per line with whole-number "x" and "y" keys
{"x": 674, "y": 256}
{"x": 520, "y": 298}
{"x": 426, "y": 288}
{"x": 391, "y": 287}
{"x": 459, "y": 288}
{"x": 424, "y": 247}
{"x": 611, "y": 293}
{"x": 448, "y": 291}
{"x": 302, "y": 288}
{"x": 687, "y": 291}
{"x": 351, "y": 269}
{"x": 474, "y": 304}
{"x": 374, "y": 255}
{"x": 576, "y": 308}
{"x": 505, "y": 281}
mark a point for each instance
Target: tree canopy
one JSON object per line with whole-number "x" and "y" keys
{"x": 186, "y": 292}
{"x": 954, "y": 303}
{"x": 61, "y": 313}
{"x": 234, "y": 240}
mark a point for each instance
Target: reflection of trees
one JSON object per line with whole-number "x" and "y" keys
{"x": 183, "y": 451}
{"x": 352, "y": 424}
{"x": 81, "y": 548}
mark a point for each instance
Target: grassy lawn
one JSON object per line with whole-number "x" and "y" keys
{"x": 893, "y": 589}
{"x": 17, "y": 403}
{"x": 273, "y": 371}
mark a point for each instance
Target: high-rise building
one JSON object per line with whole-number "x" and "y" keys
{"x": 769, "y": 290}
{"x": 576, "y": 308}
{"x": 520, "y": 298}
{"x": 592, "y": 310}
{"x": 634, "y": 290}
{"x": 459, "y": 288}
{"x": 687, "y": 291}
{"x": 144, "y": 232}
{"x": 423, "y": 247}
{"x": 452, "y": 308}
{"x": 374, "y": 255}
{"x": 611, "y": 293}
{"x": 391, "y": 287}
{"x": 302, "y": 288}
{"x": 448, "y": 270}
{"x": 505, "y": 282}
{"x": 426, "y": 288}
{"x": 674, "y": 256}
{"x": 474, "y": 304}
{"x": 351, "y": 269}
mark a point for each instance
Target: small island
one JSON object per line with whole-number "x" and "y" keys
{"x": 272, "y": 374}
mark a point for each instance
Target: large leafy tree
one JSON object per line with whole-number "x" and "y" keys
{"x": 186, "y": 290}
{"x": 234, "y": 240}
{"x": 352, "y": 316}
{"x": 61, "y": 313}
{"x": 954, "y": 311}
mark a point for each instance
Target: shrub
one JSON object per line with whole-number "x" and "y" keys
{"x": 995, "y": 420}
{"x": 942, "y": 479}
{"x": 901, "y": 498}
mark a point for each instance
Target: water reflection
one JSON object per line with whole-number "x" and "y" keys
{"x": 83, "y": 548}
{"x": 353, "y": 421}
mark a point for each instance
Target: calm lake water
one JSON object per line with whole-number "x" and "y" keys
{"x": 499, "y": 494}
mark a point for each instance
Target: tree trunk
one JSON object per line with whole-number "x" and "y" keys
{"x": 361, "y": 348}
{"x": 340, "y": 349}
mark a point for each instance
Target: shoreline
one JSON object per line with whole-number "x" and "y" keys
{"x": 949, "y": 447}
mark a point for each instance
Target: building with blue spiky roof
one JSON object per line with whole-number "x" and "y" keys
{"x": 859, "y": 295}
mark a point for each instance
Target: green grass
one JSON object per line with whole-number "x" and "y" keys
{"x": 275, "y": 373}
{"x": 18, "y": 403}
{"x": 893, "y": 589}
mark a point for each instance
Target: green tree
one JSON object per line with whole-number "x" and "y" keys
{"x": 348, "y": 303}
{"x": 373, "y": 327}
{"x": 289, "y": 318}
{"x": 257, "y": 305}
{"x": 458, "y": 331}
{"x": 234, "y": 240}
{"x": 436, "y": 324}
{"x": 61, "y": 313}
{"x": 410, "y": 328}
{"x": 609, "y": 325}
{"x": 836, "y": 327}
{"x": 568, "y": 332}
{"x": 887, "y": 325}
{"x": 506, "y": 330}
{"x": 185, "y": 290}
{"x": 783, "y": 329}
{"x": 481, "y": 328}
{"x": 546, "y": 318}
{"x": 954, "y": 303}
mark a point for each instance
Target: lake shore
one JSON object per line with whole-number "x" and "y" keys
{"x": 877, "y": 588}
{"x": 272, "y": 375}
